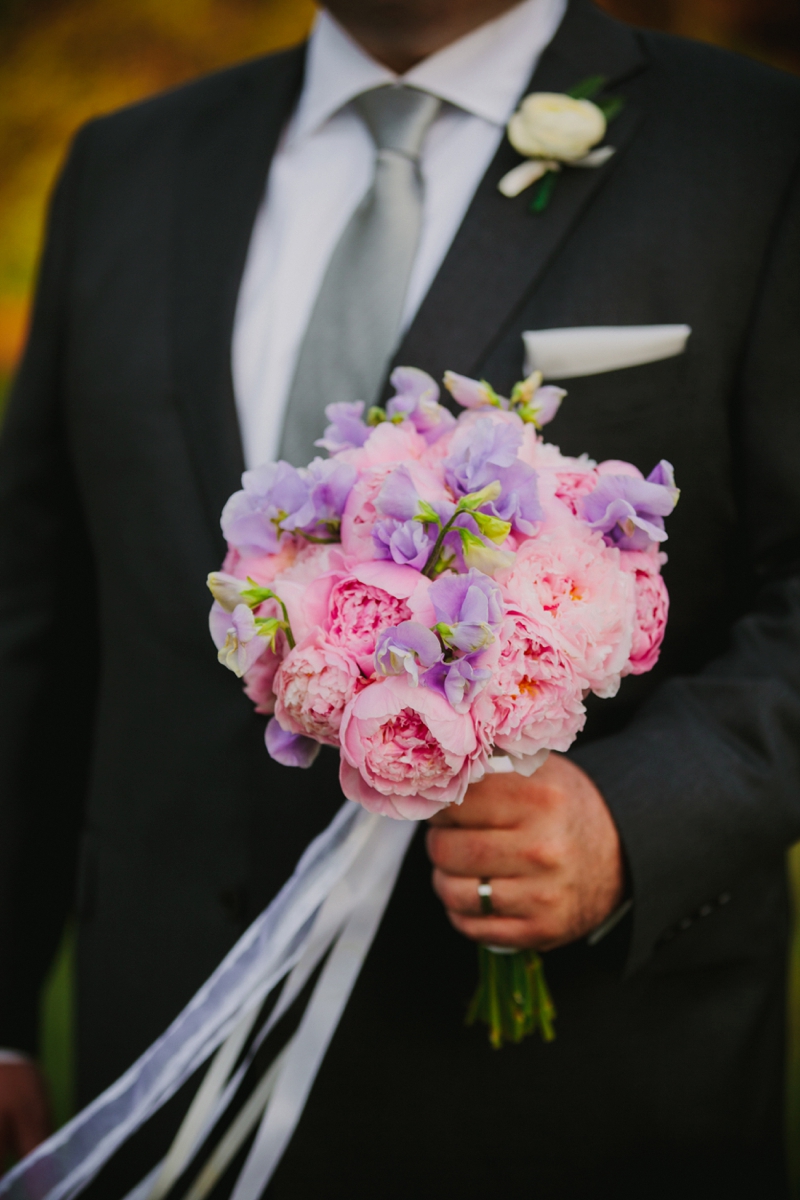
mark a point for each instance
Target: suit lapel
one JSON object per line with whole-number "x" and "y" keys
{"x": 501, "y": 249}
{"x": 222, "y": 174}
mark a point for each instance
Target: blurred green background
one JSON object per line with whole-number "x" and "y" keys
{"x": 63, "y": 61}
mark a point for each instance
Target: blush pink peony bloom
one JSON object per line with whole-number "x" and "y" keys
{"x": 312, "y": 686}
{"x": 575, "y": 586}
{"x": 360, "y": 513}
{"x": 359, "y": 610}
{"x": 264, "y": 567}
{"x": 534, "y": 700}
{"x": 572, "y": 485}
{"x": 258, "y": 682}
{"x": 652, "y": 608}
{"x": 405, "y": 752}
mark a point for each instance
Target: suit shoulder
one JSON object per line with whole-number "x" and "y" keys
{"x": 161, "y": 117}
{"x": 722, "y": 75}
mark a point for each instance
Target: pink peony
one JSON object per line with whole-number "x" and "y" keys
{"x": 405, "y": 752}
{"x": 576, "y": 587}
{"x": 264, "y": 567}
{"x": 535, "y": 699}
{"x": 258, "y": 682}
{"x": 312, "y": 686}
{"x": 652, "y": 607}
{"x": 360, "y": 513}
{"x": 572, "y": 485}
{"x": 359, "y": 608}
{"x": 388, "y": 443}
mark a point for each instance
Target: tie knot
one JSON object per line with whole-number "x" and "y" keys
{"x": 398, "y": 117}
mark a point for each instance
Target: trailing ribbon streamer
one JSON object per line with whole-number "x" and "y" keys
{"x": 275, "y": 943}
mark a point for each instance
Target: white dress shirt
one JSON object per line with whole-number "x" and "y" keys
{"x": 323, "y": 167}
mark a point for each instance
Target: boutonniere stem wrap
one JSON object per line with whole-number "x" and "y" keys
{"x": 555, "y": 130}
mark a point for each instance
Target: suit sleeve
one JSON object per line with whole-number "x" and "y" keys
{"x": 704, "y": 783}
{"x": 48, "y": 639}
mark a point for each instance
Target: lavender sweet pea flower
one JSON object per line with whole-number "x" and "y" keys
{"x": 630, "y": 512}
{"x": 468, "y": 608}
{"x": 405, "y": 648}
{"x": 518, "y": 501}
{"x": 417, "y": 399}
{"x": 330, "y": 483}
{"x": 479, "y": 453}
{"x": 290, "y": 749}
{"x": 347, "y": 429}
{"x": 269, "y": 493}
{"x": 398, "y": 497}
{"x": 242, "y": 646}
{"x": 544, "y": 404}
{"x": 459, "y": 682}
{"x": 406, "y": 542}
{"x": 472, "y": 393}
{"x": 663, "y": 473}
{"x": 486, "y": 453}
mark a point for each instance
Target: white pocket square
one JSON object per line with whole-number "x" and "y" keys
{"x": 592, "y": 349}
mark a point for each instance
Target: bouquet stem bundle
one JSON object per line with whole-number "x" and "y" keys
{"x": 512, "y": 996}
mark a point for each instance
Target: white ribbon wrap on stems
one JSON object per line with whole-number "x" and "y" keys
{"x": 340, "y": 887}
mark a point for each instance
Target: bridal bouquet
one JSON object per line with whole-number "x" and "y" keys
{"x": 436, "y": 599}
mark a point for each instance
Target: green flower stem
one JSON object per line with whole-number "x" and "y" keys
{"x": 433, "y": 557}
{"x": 512, "y": 997}
{"x": 259, "y": 594}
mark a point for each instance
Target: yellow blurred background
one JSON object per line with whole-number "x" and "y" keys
{"x": 63, "y": 61}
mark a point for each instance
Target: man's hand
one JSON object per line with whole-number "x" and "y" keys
{"x": 547, "y": 844}
{"x": 24, "y": 1110}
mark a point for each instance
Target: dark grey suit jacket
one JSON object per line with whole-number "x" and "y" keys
{"x": 131, "y": 762}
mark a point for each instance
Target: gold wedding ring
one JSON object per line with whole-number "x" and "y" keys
{"x": 485, "y": 895}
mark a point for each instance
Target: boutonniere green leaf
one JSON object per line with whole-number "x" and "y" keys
{"x": 555, "y": 130}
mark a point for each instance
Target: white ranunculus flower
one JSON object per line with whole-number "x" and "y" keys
{"x": 551, "y": 125}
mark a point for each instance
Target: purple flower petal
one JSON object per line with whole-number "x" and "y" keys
{"x": 469, "y": 393}
{"x": 630, "y": 512}
{"x": 546, "y": 403}
{"x": 406, "y": 647}
{"x": 459, "y": 682}
{"x": 406, "y": 542}
{"x": 330, "y": 484}
{"x": 487, "y": 452}
{"x": 346, "y": 430}
{"x": 398, "y": 497}
{"x": 290, "y": 749}
{"x": 417, "y": 399}
{"x": 469, "y": 607}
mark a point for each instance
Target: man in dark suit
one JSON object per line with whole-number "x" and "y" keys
{"x": 131, "y": 762}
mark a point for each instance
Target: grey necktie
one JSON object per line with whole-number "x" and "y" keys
{"x": 355, "y": 321}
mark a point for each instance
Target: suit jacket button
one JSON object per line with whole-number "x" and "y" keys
{"x": 685, "y": 923}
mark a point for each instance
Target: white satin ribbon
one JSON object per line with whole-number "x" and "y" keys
{"x": 276, "y": 941}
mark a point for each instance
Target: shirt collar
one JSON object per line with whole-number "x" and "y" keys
{"x": 483, "y": 73}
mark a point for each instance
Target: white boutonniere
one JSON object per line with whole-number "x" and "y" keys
{"x": 554, "y": 130}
